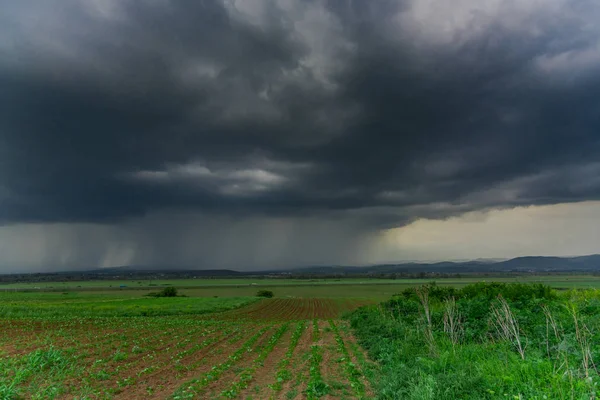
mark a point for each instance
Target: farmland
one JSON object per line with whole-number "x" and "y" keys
{"x": 308, "y": 342}
{"x": 359, "y": 287}
{"x": 271, "y": 348}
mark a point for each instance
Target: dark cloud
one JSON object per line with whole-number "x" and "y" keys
{"x": 378, "y": 111}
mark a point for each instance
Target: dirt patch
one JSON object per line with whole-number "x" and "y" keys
{"x": 293, "y": 309}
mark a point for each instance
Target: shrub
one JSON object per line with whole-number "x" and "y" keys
{"x": 169, "y": 292}
{"x": 265, "y": 293}
{"x": 484, "y": 341}
{"x": 166, "y": 292}
{"x": 437, "y": 293}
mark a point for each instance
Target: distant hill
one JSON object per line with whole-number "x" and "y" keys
{"x": 520, "y": 264}
{"x": 589, "y": 263}
{"x": 157, "y": 270}
{"x": 531, "y": 264}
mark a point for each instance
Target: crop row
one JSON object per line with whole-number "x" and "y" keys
{"x": 293, "y": 309}
{"x": 316, "y": 387}
{"x": 352, "y": 372}
{"x": 193, "y": 388}
{"x": 283, "y": 374}
{"x": 99, "y": 355}
{"x": 246, "y": 375}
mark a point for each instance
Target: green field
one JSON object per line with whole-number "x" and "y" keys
{"x": 570, "y": 281}
{"x": 44, "y": 305}
{"x": 121, "y": 344}
{"x": 192, "y": 282}
{"x": 378, "y": 289}
{"x": 326, "y": 338}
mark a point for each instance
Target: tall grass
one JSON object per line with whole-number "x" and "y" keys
{"x": 492, "y": 341}
{"x": 506, "y": 325}
{"x": 423, "y": 296}
{"x": 453, "y": 326}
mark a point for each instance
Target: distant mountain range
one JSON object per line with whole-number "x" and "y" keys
{"x": 520, "y": 264}
{"x": 136, "y": 269}
{"x": 589, "y": 263}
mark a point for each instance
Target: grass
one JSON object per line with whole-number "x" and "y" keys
{"x": 508, "y": 347}
{"x": 191, "y": 282}
{"x": 32, "y": 369}
{"x": 43, "y": 305}
{"x": 366, "y": 288}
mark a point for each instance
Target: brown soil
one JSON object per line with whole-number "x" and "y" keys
{"x": 332, "y": 370}
{"x": 230, "y": 376}
{"x": 293, "y": 309}
{"x": 162, "y": 358}
{"x": 160, "y": 342}
{"x": 350, "y": 341}
{"x": 167, "y": 379}
{"x": 298, "y": 367}
{"x": 265, "y": 374}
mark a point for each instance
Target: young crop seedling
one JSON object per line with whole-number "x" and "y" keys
{"x": 283, "y": 374}
{"x": 352, "y": 372}
{"x": 316, "y": 387}
{"x": 191, "y": 389}
{"x": 246, "y": 376}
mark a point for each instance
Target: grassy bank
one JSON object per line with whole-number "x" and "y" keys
{"x": 484, "y": 341}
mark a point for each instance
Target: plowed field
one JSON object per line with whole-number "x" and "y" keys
{"x": 294, "y": 309}
{"x": 276, "y": 348}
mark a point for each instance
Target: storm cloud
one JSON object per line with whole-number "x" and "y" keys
{"x": 341, "y": 118}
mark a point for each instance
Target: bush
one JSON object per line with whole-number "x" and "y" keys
{"x": 483, "y": 363}
{"x": 440, "y": 293}
{"x": 166, "y": 292}
{"x": 169, "y": 292}
{"x": 265, "y": 293}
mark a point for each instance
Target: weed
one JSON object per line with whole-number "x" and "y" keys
{"x": 507, "y": 326}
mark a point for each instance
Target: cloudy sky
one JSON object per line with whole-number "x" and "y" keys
{"x": 261, "y": 134}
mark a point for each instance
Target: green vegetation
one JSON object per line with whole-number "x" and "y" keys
{"x": 283, "y": 374}
{"x": 352, "y": 372}
{"x": 31, "y": 368}
{"x": 484, "y": 341}
{"x": 193, "y": 388}
{"x": 316, "y": 387}
{"x": 246, "y": 376}
{"x": 371, "y": 288}
{"x": 265, "y": 293}
{"x": 18, "y": 305}
{"x": 166, "y": 292}
{"x": 477, "y": 341}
